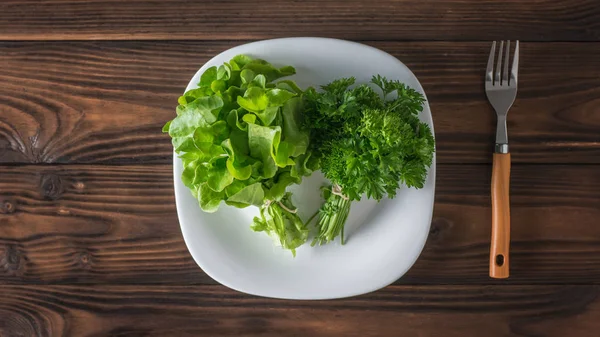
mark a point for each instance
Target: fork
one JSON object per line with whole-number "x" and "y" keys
{"x": 501, "y": 91}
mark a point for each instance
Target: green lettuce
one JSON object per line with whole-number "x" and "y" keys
{"x": 279, "y": 220}
{"x": 240, "y": 140}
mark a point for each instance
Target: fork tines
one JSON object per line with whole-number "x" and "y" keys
{"x": 493, "y": 78}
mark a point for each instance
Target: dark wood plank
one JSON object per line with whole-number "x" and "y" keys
{"x": 118, "y": 224}
{"x": 105, "y": 102}
{"x": 542, "y": 20}
{"x": 555, "y": 235}
{"x": 452, "y": 311}
{"x": 92, "y": 225}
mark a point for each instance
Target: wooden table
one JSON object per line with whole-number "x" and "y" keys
{"x": 90, "y": 243}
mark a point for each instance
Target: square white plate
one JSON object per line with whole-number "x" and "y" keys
{"x": 383, "y": 239}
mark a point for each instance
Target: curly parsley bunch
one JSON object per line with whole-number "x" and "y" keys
{"x": 366, "y": 144}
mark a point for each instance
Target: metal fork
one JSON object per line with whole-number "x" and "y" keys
{"x": 501, "y": 90}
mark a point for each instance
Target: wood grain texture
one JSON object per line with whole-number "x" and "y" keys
{"x": 540, "y": 20}
{"x": 91, "y": 224}
{"x": 500, "y": 241}
{"x": 90, "y": 243}
{"x": 452, "y": 311}
{"x": 118, "y": 225}
{"x": 105, "y": 102}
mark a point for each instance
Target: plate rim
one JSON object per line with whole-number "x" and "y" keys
{"x": 355, "y": 291}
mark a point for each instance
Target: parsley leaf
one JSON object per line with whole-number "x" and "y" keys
{"x": 366, "y": 144}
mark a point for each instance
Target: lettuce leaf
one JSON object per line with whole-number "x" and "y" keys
{"x": 249, "y": 195}
{"x": 279, "y": 221}
{"x": 240, "y": 142}
{"x": 262, "y": 140}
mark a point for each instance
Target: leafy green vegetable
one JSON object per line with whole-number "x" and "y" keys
{"x": 219, "y": 176}
{"x": 275, "y": 191}
{"x": 240, "y": 141}
{"x": 366, "y": 144}
{"x": 243, "y": 139}
{"x": 289, "y": 85}
{"x": 279, "y": 220}
{"x": 209, "y": 199}
{"x": 250, "y": 195}
{"x": 198, "y": 113}
{"x": 254, "y": 100}
{"x": 332, "y": 216}
{"x": 292, "y": 125}
{"x": 262, "y": 141}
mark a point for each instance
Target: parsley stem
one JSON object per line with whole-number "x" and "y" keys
{"x": 332, "y": 218}
{"x": 312, "y": 217}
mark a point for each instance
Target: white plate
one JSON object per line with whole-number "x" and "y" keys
{"x": 383, "y": 239}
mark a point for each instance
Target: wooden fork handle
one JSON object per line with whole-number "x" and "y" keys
{"x": 499, "y": 250}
